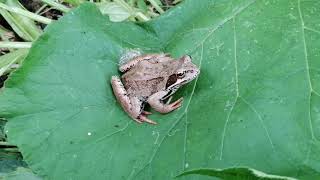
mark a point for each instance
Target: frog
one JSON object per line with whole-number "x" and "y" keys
{"x": 152, "y": 79}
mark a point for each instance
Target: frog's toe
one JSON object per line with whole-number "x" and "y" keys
{"x": 144, "y": 118}
{"x": 177, "y": 103}
{"x": 146, "y": 112}
{"x": 138, "y": 121}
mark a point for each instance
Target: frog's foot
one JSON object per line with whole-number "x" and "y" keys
{"x": 175, "y": 105}
{"x": 144, "y": 118}
{"x": 137, "y": 120}
{"x": 156, "y": 103}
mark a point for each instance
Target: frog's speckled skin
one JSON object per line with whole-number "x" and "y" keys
{"x": 151, "y": 79}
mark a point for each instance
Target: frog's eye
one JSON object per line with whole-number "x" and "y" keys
{"x": 181, "y": 74}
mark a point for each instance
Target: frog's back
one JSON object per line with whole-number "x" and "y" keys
{"x": 143, "y": 88}
{"x": 144, "y": 79}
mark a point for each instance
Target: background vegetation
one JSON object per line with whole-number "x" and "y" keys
{"x": 22, "y": 22}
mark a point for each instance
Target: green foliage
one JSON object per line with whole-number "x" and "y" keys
{"x": 7, "y": 60}
{"x": 142, "y": 5}
{"x": 20, "y": 174}
{"x": 74, "y": 2}
{"x": 24, "y": 27}
{"x": 235, "y": 174}
{"x": 115, "y": 12}
{"x": 9, "y": 162}
{"x": 255, "y": 103}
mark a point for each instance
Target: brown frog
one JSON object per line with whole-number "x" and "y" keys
{"x": 152, "y": 79}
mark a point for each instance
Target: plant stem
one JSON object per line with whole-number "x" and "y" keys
{"x": 124, "y": 4}
{"x": 176, "y": 1}
{"x": 152, "y": 14}
{"x": 26, "y": 14}
{"x": 156, "y": 6}
{"x": 56, "y": 5}
{"x": 15, "y": 45}
{"x": 3, "y": 143}
{"x": 41, "y": 8}
{"x": 139, "y": 15}
{"x": 132, "y": 2}
{"x": 13, "y": 150}
{"x": 9, "y": 60}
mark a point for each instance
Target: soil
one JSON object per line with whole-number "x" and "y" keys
{"x": 31, "y": 5}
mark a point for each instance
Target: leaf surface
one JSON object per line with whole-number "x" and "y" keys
{"x": 255, "y": 103}
{"x": 238, "y": 173}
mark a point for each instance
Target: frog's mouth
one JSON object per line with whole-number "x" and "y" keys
{"x": 194, "y": 76}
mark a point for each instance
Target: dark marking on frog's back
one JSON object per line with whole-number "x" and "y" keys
{"x": 154, "y": 83}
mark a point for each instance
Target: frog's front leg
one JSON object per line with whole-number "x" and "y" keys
{"x": 156, "y": 102}
{"x": 132, "y": 105}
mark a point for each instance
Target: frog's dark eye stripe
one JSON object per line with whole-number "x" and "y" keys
{"x": 171, "y": 80}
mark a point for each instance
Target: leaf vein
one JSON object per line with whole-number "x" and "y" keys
{"x": 261, "y": 121}
{"x": 187, "y": 107}
{"x": 222, "y": 22}
{"x": 307, "y": 67}
{"x": 176, "y": 122}
{"x": 311, "y": 29}
{"x": 237, "y": 88}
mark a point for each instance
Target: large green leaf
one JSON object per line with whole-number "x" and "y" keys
{"x": 255, "y": 104}
{"x": 20, "y": 173}
{"x": 237, "y": 173}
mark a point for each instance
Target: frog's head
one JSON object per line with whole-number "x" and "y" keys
{"x": 186, "y": 71}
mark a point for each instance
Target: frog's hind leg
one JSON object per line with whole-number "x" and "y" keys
{"x": 152, "y": 57}
{"x": 133, "y": 106}
{"x": 121, "y": 95}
